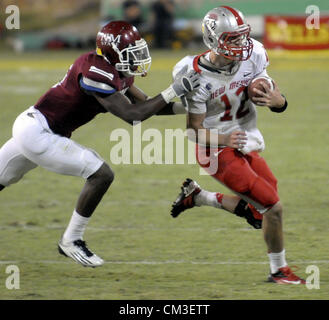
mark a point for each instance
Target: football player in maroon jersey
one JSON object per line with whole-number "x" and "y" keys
{"x": 97, "y": 82}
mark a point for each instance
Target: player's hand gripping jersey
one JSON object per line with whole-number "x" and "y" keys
{"x": 222, "y": 95}
{"x": 67, "y": 105}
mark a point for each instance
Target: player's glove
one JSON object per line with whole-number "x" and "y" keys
{"x": 183, "y": 83}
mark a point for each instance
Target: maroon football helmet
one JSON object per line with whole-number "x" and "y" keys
{"x": 121, "y": 45}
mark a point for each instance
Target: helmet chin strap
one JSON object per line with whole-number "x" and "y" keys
{"x": 125, "y": 74}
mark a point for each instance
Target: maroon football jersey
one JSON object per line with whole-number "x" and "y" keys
{"x": 67, "y": 105}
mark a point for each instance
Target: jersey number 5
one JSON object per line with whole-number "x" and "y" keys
{"x": 241, "y": 112}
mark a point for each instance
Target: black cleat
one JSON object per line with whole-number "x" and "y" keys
{"x": 185, "y": 199}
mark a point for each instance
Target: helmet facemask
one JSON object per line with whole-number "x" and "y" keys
{"x": 235, "y": 46}
{"x": 134, "y": 60}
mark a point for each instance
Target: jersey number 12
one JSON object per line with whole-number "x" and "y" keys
{"x": 241, "y": 112}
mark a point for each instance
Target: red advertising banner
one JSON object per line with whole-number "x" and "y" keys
{"x": 290, "y": 32}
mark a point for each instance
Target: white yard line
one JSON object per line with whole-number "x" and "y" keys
{"x": 28, "y": 227}
{"x": 34, "y": 228}
{"x": 19, "y": 90}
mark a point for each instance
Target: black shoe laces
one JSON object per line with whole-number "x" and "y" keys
{"x": 82, "y": 244}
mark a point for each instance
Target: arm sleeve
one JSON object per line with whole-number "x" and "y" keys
{"x": 264, "y": 74}
{"x": 197, "y": 101}
{"x": 261, "y": 59}
{"x": 96, "y": 79}
{"x": 89, "y": 85}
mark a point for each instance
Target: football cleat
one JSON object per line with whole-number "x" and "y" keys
{"x": 185, "y": 199}
{"x": 78, "y": 251}
{"x": 285, "y": 276}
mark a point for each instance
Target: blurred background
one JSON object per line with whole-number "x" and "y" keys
{"x": 174, "y": 24}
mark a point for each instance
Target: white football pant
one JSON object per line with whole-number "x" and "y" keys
{"x": 34, "y": 144}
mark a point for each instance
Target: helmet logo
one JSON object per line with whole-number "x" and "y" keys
{"x": 211, "y": 23}
{"x": 108, "y": 38}
{"x": 213, "y": 16}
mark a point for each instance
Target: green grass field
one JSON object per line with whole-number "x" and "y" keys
{"x": 204, "y": 254}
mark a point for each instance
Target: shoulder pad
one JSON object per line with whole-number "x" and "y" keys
{"x": 188, "y": 60}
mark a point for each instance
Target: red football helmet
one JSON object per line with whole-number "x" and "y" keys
{"x": 122, "y": 46}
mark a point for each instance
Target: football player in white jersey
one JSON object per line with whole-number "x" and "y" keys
{"x": 220, "y": 110}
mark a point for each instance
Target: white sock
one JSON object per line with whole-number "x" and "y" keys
{"x": 76, "y": 227}
{"x": 277, "y": 260}
{"x": 206, "y": 198}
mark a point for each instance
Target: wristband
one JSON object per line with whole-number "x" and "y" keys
{"x": 282, "y": 109}
{"x": 168, "y": 94}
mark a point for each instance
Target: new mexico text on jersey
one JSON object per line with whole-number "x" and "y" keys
{"x": 223, "y": 97}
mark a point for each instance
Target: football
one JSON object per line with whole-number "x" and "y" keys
{"x": 257, "y": 83}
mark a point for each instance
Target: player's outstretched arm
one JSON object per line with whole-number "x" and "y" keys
{"x": 120, "y": 106}
{"x": 135, "y": 94}
{"x": 172, "y": 108}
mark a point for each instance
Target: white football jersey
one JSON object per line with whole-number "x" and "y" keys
{"x": 222, "y": 96}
